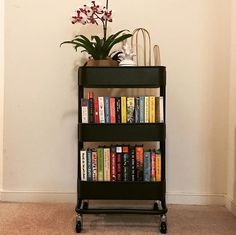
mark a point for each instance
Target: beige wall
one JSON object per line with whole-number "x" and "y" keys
{"x": 231, "y": 189}
{"x": 1, "y": 88}
{"x": 41, "y": 94}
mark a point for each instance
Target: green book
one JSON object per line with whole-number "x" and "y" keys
{"x": 100, "y": 157}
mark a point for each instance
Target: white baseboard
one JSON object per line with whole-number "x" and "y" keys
{"x": 70, "y": 197}
{"x": 230, "y": 205}
{"x": 195, "y": 199}
{"x": 34, "y": 196}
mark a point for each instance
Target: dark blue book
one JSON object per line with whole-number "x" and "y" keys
{"x": 132, "y": 164}
{"x": 147, "y": 166}
{"x": 89, "y": 165}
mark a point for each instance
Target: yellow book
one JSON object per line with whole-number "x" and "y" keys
{"x": 152, "y": 109}
{"x": 146, "y": 104}
{"x": 158, "y": 166}
{"x": 123, "y": 110}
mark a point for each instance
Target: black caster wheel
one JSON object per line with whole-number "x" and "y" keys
{"x": 163, "y": 228}
{"x": 78, "y": 227}
{"x": 85, "y": 205}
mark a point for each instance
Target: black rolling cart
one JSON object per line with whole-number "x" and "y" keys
{"x": 122, "y": 77}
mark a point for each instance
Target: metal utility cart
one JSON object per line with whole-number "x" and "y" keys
{"x": 122, "y": 77}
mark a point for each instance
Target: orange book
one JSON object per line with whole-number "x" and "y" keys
{"x": 139, "y": 162}
{"x": 158, "y": 166}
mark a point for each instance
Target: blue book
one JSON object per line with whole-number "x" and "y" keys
{"x": 89, "y": 165}
{"x": 107, "y": 109}
{"x": 142, "y": 109}
{"x": 146, "y": 166}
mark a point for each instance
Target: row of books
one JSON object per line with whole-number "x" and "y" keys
{"x": 131, "y": 109}
{"x": 120, "y": 163}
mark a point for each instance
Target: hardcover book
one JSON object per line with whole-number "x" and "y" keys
{"x": 130, "y": 109}
{"x": 107, "y": 109}
{"x": 119, "y": 163}
{"x": 101, "y": 109}
{"x": 142, "y": 109}
{"x": 100, "y": 163}
{"x": 91, "y": 107}
{"x": 147, "y": 168}
{"x": 107, "y": 163}
{"x": 112, "y": 110}
{"x": 139, "y": 162}
{"x": 83, "y": 165}
{"x": 118, "y": 109}
{"x": 89, "y": 165}
{"x": 84, "y": 110}
{"x": 113, "y": 163}
{"x": 123, "y": 110}
{"x": 158, "y": 166}
{"x": 126, "y": 163}
{"x": 137, "y": 110}
{"x": 94, "y": 165}
{"x": 96, "y": 110}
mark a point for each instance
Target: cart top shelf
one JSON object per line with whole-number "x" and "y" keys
{"x": 129, "y": 77}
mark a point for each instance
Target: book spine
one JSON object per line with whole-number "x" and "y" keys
{"x": 133, "y": 164}
{"x": 152, "y": 109}
{"x": 112, "y": 110}
{"x": 161, "y": 105}
{"x": 100, "y": 163}
{"x": 83, "y": 165}
{"x": 123, "y": 110}
{"x": 119, "y": 163}
{"x": 84, "y": 110}
{"x": 157, "y": 108}
{"x": 146, "y": 168}
{"x": 130, "y": 109}
{"x": 107, "y": 109}
{"x": 101, "y": 109}
{"x": 113, "y": 163}
{"x": 94, "y": 165}
{"x": 142, "y": 109}
{"x": 118, "y": 109}
{"x": 153, "y": 166}
{"x": 89, "y": 165}
{"x": 126, "y": 165}
{"x": 107, "y": 162}
{"x": 139, "y": 162}
{"x": 91, "y": 107}
{"x": 146, "y": 109}
{"x": 137, "y": 110}
{"x": 96, "y": 110}
{"x": 158, "y": 166}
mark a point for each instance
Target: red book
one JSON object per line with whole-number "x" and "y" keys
{"x": 96, "y": 112}
{"x": 112, "y": 110}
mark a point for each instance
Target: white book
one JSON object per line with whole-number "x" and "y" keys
{"x": 101, "y": 109}
{"x": 161, "y": 106}
{"x": 84, "y": 110}
{"x": 107, "y": 163}
{"x": 83, "y": 165}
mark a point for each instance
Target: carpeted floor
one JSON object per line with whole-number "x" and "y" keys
{"x": 59, "y": 219}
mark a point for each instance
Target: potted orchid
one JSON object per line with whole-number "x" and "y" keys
{"x": 98, "y": 48}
